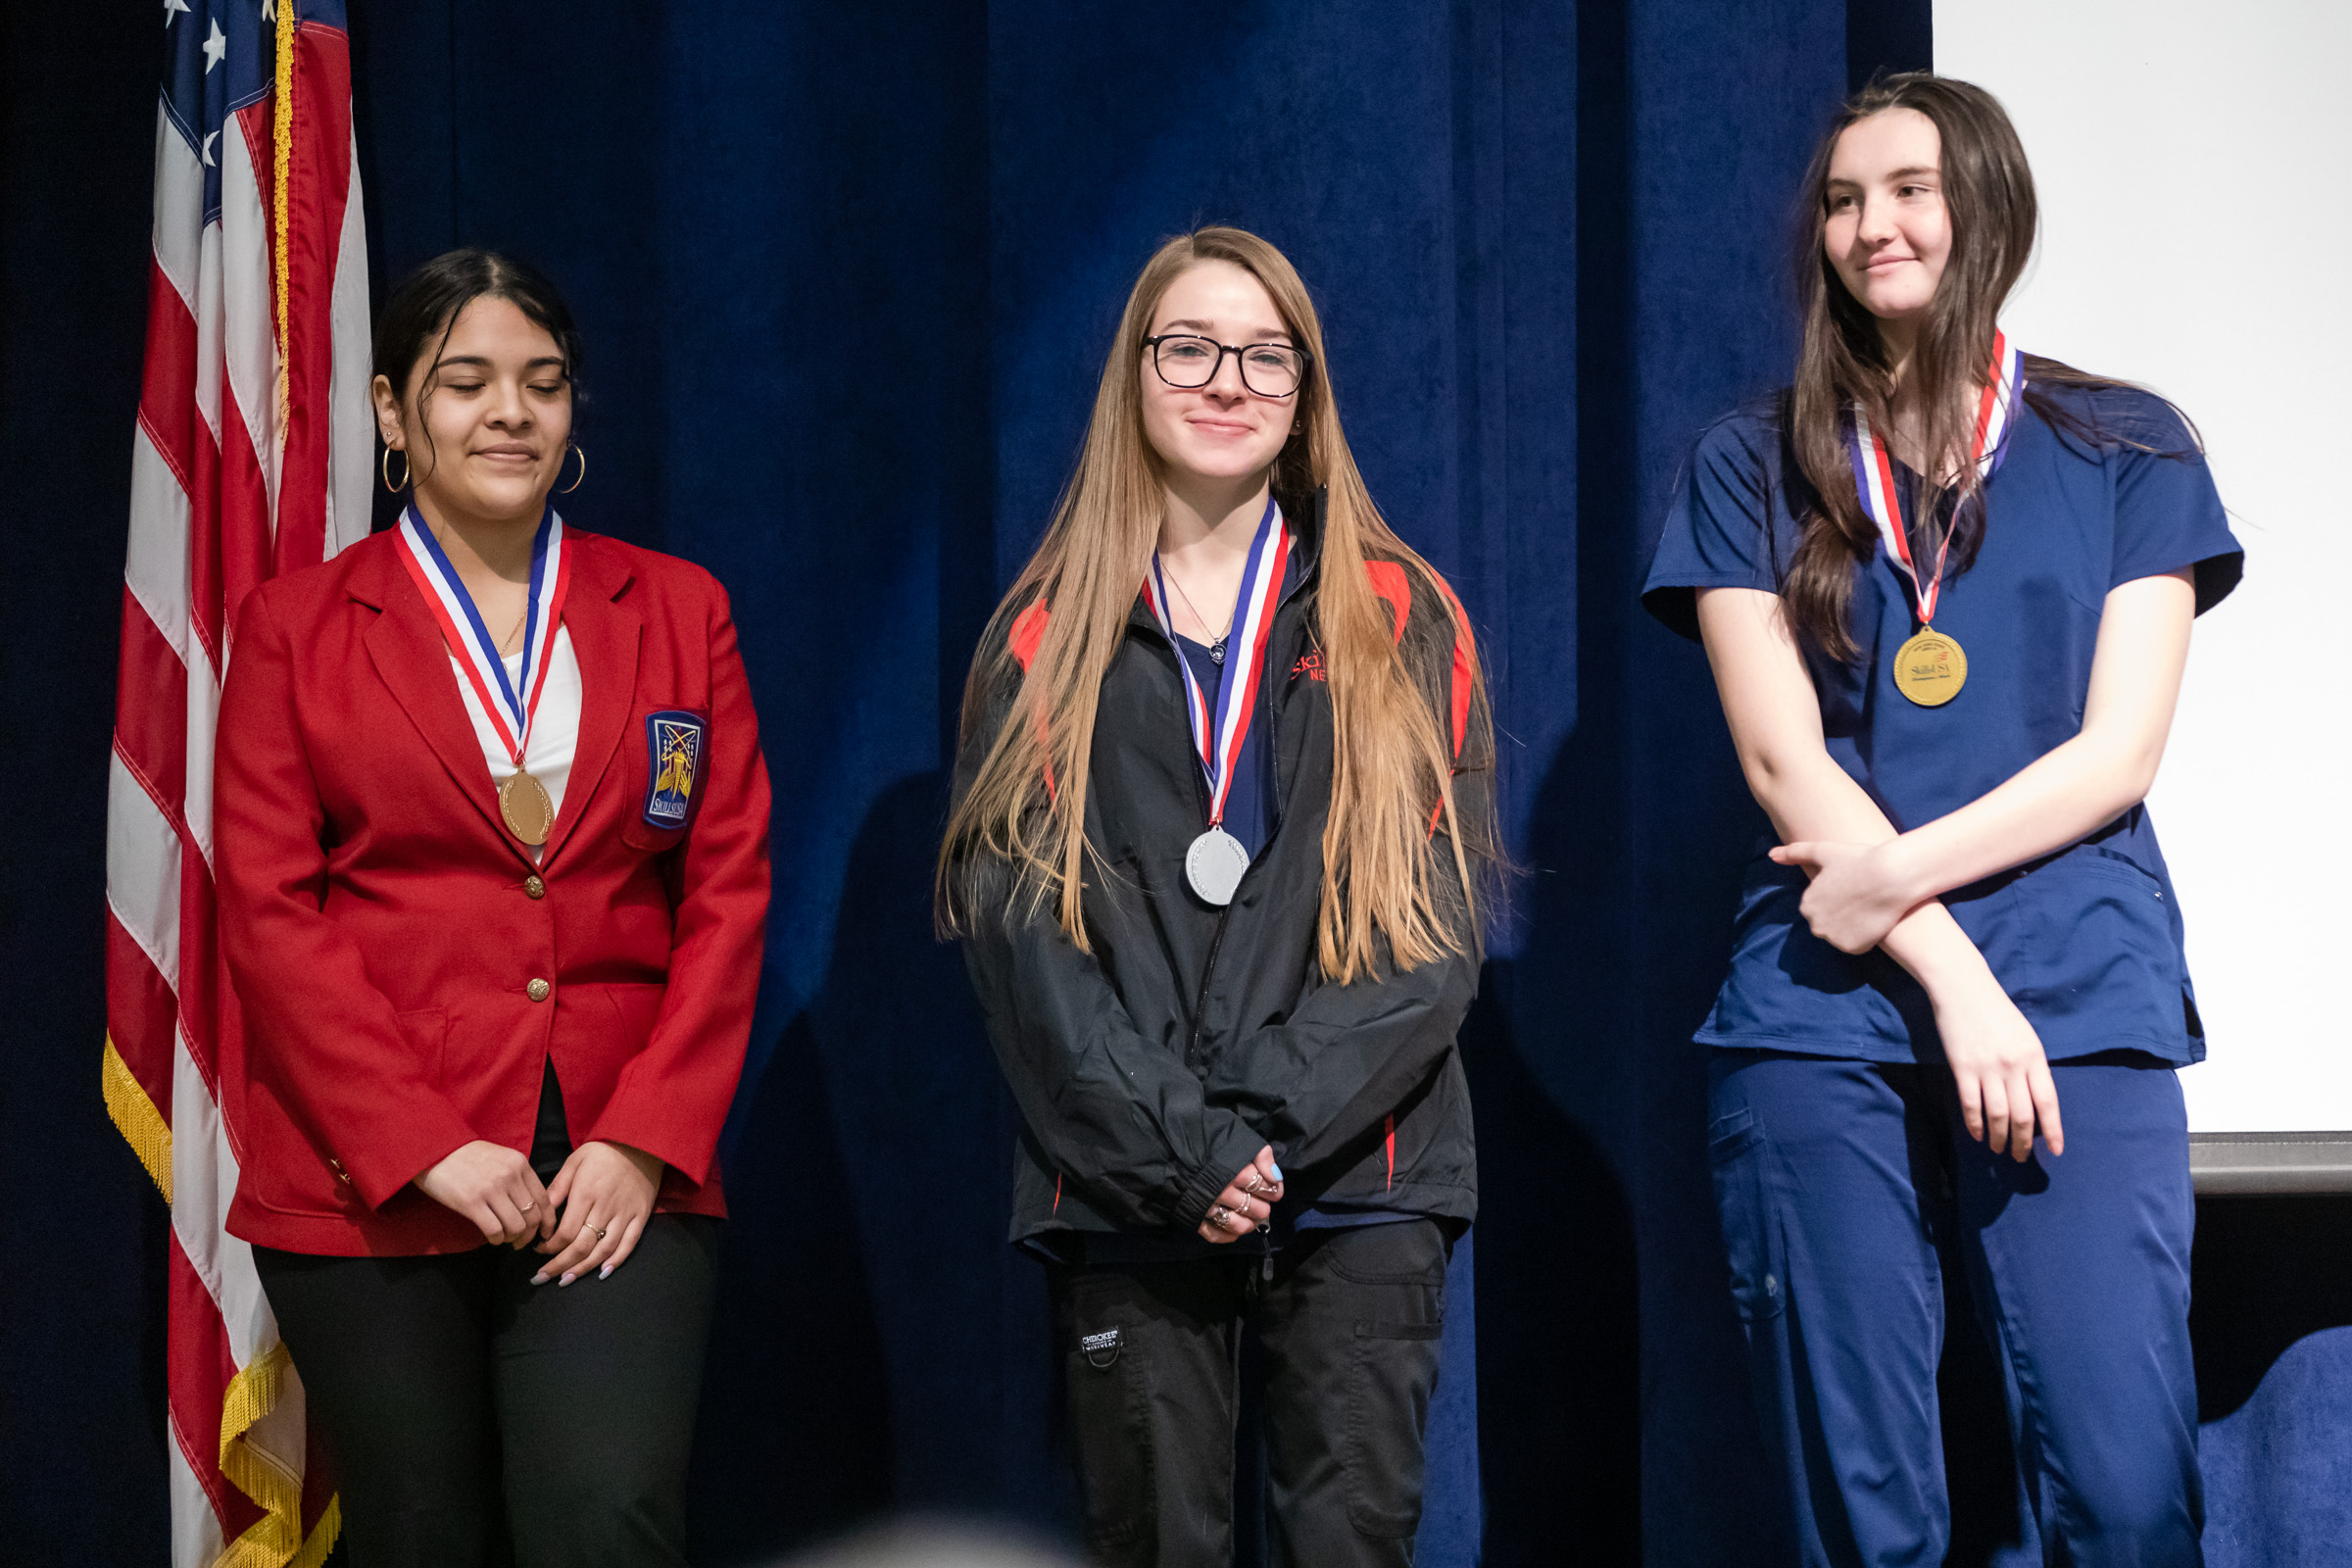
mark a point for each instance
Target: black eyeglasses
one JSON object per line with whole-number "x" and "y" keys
{"x": 1269, "y": 369}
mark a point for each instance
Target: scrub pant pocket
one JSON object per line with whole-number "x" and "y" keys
{"x": 1853, "y": 1187}
{"x": 1750, "y": 1238}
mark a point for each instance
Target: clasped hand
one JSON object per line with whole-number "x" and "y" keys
{"x": 1856, "y": 896}
{"x": 589, "y": 1217}
{"x": 1248, "y": 1200}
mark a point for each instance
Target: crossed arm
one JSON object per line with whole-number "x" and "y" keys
{"x": 1874, "y": 886}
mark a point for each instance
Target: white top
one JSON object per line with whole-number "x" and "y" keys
{"x": 555, "y": 729}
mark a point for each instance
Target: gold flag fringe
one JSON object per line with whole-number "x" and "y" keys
{"x": 134, "y": 1115}
{"x": 281, "y": 160}
{"x": 275, "y": 1540}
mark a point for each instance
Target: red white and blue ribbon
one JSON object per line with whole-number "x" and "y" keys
{"x": 469, "y": 640}
{"x": 1218, "y": 727}
{"x": 1873, "y": 471}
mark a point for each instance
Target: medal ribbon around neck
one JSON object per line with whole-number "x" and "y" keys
{"x": 1873, "y": 471}
{"x": 474, "y": 649}
{"x": 1218, "y": 729}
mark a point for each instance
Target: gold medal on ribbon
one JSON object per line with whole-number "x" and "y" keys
{"x": 522, "y": 801}
{"x": 1931, "y": 669}
{"x": 508, "y": 704}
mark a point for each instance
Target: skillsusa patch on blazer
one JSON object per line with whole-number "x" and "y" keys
{"x": 674, "y": 741}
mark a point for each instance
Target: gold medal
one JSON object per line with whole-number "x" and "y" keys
{"x": 1929, "y": 668}
{"x": 529, "y": 815}
{"x": 502, "y": 695}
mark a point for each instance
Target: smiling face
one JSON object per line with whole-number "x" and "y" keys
{"x": 487, "y": 439}
{"x": 1222, "y": 431}
{"x": 1885, "y": 228}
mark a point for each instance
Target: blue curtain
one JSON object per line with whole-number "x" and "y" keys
{"x": 847, "y": 293}
{"x": 846, "y": 284}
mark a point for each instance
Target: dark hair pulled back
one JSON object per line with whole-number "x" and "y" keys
{"x": 1988, "y": 199}
{"x": 423, "y": 309}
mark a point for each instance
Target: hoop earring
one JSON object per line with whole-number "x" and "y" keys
{"x": 575, "y": 484}
{"x": 385, "y": 469}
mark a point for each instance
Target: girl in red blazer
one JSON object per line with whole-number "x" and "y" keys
{"x": 493, "y": 855}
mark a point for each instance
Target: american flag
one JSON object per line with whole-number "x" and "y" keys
{"x": 253, "y": 455}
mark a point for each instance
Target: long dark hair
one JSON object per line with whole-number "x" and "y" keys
{"x": 424, "y": 306}
{"x": 1841, "y": 360}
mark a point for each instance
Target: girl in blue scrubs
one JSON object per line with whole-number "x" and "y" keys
{"x": 1946, "y": 591}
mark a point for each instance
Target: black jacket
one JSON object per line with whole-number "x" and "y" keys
{"x": 1152, "y": 1070}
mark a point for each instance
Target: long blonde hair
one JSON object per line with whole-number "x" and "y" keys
{"x": 1392, "y": 762}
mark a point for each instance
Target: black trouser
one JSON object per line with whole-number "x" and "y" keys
{"x": 476, "y": 1419}
{"x": 1349, "y": 1321}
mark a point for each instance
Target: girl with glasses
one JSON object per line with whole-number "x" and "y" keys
{"x": 1946, "y": 588}
{"x": 1220, "y": 824}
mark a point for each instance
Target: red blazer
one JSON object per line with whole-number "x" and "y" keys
{"x": 384, "y": 932}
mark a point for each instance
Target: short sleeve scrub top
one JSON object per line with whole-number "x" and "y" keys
{"x": 2086, "y": 940}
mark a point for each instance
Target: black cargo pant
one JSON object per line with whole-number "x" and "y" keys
{"x": 1349, "y": 1321}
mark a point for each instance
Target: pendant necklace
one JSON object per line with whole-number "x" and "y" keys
{"x": 1216, "y": 648}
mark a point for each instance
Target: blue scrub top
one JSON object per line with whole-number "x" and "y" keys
{"x": 2087, "y": 941}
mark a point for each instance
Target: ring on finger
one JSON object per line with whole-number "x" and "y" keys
{"x": 600, "y": 1231}
{"x": 1218, "y": 1213}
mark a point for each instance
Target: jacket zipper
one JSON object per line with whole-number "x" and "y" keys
{"x": 1200, "y": 799}
{"x": 1272, "y": 709}
{"x": 1216, "y": 941}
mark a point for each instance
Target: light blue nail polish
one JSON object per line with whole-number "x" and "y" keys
{"x": 539, "y": 1278}
{"x": 1278, "y": 1173}
{"x": 565, "y": 1280}
{"x": 604, "y": 1273}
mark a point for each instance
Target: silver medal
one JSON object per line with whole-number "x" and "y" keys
{"x": 1214, "y": 864}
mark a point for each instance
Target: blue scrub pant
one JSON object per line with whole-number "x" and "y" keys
{"x": 1847, "y": 1188}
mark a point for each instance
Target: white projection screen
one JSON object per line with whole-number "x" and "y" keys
{"x": 2195, "y": 165}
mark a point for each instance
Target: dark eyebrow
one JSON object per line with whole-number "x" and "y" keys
{"x": 1202, "y": 328}
{"x": 1834, "y": 183}
{"x": 482, "y": 361}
